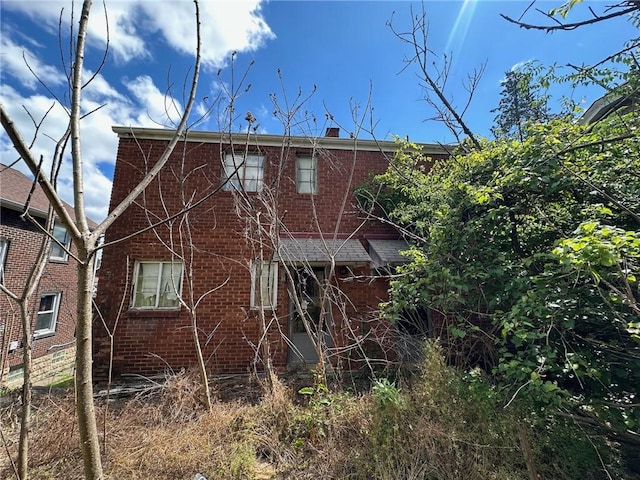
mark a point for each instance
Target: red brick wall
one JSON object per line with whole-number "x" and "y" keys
{"x": 24, "y": 243}
{"x": 146, "y": 342}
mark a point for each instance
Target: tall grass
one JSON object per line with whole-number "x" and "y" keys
{"x": 433, "y": 424}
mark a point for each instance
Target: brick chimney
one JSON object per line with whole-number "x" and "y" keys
{"x": 333, "y": 132}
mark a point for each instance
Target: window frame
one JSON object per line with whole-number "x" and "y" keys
{"x": 272, "y": 272}
{"x": 65, "y": 242}
{"x": 235, "y": 168}
{"x": 157, "y": 295}
{"x": 54, "y": 311}
{"x": 312, "y": 180}
{"x": 4, "y": 253}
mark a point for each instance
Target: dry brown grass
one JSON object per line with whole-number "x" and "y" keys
{"x": 429, "y": 430}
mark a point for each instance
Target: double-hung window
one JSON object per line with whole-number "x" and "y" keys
{"x": 306, "y": 174}
{"x": 157, "y": 285}
{"x": 243, "y": 172}
{"x": 47, "y": 314}
{"x": 4, "y": 248}
{"x": 60, "y": 247}
{"x": 264, "y": 283}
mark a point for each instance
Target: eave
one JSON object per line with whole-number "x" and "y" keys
{"x": 267, "y": 140}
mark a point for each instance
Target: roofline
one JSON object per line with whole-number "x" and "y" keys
{"x": 11, "y": 205}
{"x": 36, "y": 212}
{"x": 269, "y": 140}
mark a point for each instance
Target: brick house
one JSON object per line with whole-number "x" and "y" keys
{"x": 53, "y": 310}
{"x": 280, "y": 252}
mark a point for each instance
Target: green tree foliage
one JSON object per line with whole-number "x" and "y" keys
{"x": 531, "y": 249}
{"x": 523, "y": 99}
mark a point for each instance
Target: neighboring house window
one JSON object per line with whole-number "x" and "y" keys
{"x": 47, "y": 314}
{"x": 306, "y": 175}
{"x": 4, "y": 248}
{"x": 243, "y": 172}
{"x": 57, "y": 251}
{"x": 266, "y": 293}
{"x": 157, "y": 285}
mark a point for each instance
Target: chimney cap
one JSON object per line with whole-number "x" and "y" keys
{"x": 332, "y": 132}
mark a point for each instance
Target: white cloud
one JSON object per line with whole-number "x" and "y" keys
{"x": 226, "y": 25}
{"x": 97, "y": 148}
{"x": 135, "y": 28}
{"x": 158, "y": 107}
{"x": 21, "y": 63}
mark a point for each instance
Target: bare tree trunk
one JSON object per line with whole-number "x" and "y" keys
{"x": 25, "y": 421}
{"x": 84, "y": 384}
{"x": 85, "y": 239}
{"x": 24, "y": 301}
{"x": 204, "y": 378}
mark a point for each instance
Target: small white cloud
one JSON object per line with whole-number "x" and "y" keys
{"x": 158, "y": 108}
{"x": 23, "y": 65}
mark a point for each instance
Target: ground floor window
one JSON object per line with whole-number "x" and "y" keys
{"x": 47, "y": 314}
{"x": 157, "y": 285}
{"x": 264, "y": 285}
{"x": 15, "y": 373}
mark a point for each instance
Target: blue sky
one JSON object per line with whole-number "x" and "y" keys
{"x": 343, "y": 48}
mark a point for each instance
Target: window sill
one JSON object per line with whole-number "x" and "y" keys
{"x": 40, "y": 336}
{"x": 154, "y": 312}
{"x": 58, "y": 260}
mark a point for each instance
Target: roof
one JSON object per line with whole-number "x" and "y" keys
{"x": 387, "y": 252}
{"x": 14, "y": 191}
{"x": 320, "y": 251}
{"x": 608, "y": 104}
{"x": 265, "y": 140}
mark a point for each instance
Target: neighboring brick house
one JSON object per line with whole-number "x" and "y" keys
{"x": 53, "y": 309}
{"x": 300, "y": 190}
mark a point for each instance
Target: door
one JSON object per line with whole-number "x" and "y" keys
{"x": 305, "y": 304}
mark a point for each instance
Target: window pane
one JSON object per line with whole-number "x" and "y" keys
{"x": 231, "y": 162}
{"x": 249, "y": 175}
{"x": 61, "y": 235}
{"x": 46, "y": 303}
{"x": 44, "y": 321}
{"x": 147, "y": 284}
{"x": 266, "y": 296}
{"x": 306, "y": 175}
{"x": 170, "y": 285}
{"x": 4, "y": 246}
{"x": 158, "y": 285}
{"x": 47, "y": 311}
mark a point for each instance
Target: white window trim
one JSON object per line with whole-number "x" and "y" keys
{"x": 54, "y": 315}
{"x": 66, "y": 244}
{"x": 314, "y": 172}
{"x": 4, "y": 250}
{"x": 238, "y": 163}
{"x": 168, "y": 264}
{"x": 273, "y": 271}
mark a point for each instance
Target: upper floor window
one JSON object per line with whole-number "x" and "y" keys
{"x": 243, "y": 172}
{"x": 157, "y": 285}
{"x": 306, "y": 175}
{"x": 59, "y": 249}
{"x": 47, "y": 314}
{"x": 264, "y": 283}
{"x": 4, "y": 248}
